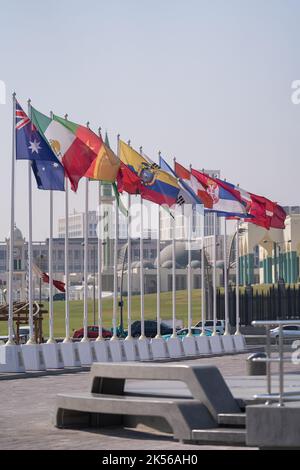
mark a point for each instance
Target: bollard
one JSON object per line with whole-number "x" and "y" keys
{"x": 256, "y": 367}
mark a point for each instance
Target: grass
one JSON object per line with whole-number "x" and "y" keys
{"x": 76, "y": 311}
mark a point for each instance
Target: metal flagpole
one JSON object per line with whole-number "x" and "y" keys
{"x": 115, "y": 297}
{"x": 190, "y": 312}
{"x": 158, "y": 319}
{"x": 215, "y": 276}
{"x": 237, "y": 282}
{"x": 85, "y": 267}
{"x": 142, "y": 271}
{"x": 67, "y": 301}
{"x": 12, "y": 226}
{"x": 173, "y": 221}
{"x": 227, "y": 332}
{"x": 51, "y": 319}
{"x": 31, "y": 339}
{"x": 129, "y": 283}
{"x": 100, "y": 306}
{"x": 203, "y": 304}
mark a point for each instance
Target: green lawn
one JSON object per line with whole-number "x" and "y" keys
{"x": 76, "y": 311}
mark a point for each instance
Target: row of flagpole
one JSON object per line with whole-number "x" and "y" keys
{"x": 129, "y": 264}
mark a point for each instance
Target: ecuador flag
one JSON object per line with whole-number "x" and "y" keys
{"x": 156, "y": 185}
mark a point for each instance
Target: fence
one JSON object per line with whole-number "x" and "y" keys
{"x": 277, "y": 303}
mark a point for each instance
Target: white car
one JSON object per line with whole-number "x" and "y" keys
{"x": 209, "y": 325}
{"x": 288, "y": 331}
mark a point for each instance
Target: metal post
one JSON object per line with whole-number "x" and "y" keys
{"x": 51, "y": 316}
{"x": 12, "y": 227}
{"x": 227, "y": 332}
{"x": 85, "y": 267}
{"x": 203, "y": 304}
{"x": 31, "y": 339}
{"x": 237, "y": 282}
{"x": 268, "y": 365}
{"x": 94, "y": 285}
{"x": 158, "y": 319}
{"x": 174, "y": 274}
{"x": 100, "y": 310}
{"x": 115, "y": 297}
{"x": 190, "y": 312}
{"x": 214, "y": 333}
{"x": 281, "y": 367}
{"x": 142, "y": 280}
{"x": 129, "y": 286}
{"x": 67, "y": 291}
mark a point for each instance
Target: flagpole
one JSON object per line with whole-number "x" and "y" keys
{"x": 67, "y": 301}
{"x": 115, "y": 297}
{"x": 11, "y": 341}
{"x": 51, "y": 319}
{"x": 227, "y": 332}
{"x": 158, "y": 281}
{"x": 100, "y": 306}
{"x": 203, "y": 304}
{"x": 190, "y": 312}
{"x": 85, "y": 267}
{"x": 31, "y": 339}
{"x": 237, "y": 282}
{"x": 215, "y": 276}
{"x": 129, "y": 280}
{"x": 142, "y": 271}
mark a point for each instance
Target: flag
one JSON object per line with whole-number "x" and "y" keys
{"x": 128, "y": 181}
{"x": 195, "y": 186}
{"x": 106, "y": 165}
{"x": 30, "y": 145}
{"x": 154, "y": 184}
{"x": 224, "y": 202}
{"x": 75, "y": 155}
{"x": 186, "y": 194}
{"x": 261, "y": 210}
{"x": 45, "y": 278}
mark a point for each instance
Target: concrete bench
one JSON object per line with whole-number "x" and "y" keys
{"x": 107, "y": 403}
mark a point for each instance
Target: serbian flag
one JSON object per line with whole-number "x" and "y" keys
{"x": 45, "y": 278}
{"x": 215, "y": 198}
{"x": 155, "y": 185}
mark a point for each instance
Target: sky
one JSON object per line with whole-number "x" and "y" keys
{"x": 205, "y": 81}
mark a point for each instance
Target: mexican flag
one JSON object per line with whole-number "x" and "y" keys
{"x": 70, "y": 146}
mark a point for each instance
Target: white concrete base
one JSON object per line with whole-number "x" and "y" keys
{"x": 52, "y": 356}
{"x": 215, "y": 344}
{"x": 174, "y": 346}
{"x": 239, "y": 343}
{"x": 189, "y": 346}
{"x": 11, "y": 359}
{"x": 85, "y": 353}
{"x": 115, "y": 347}
{"x": 143, "y": 348}
{"x": 130, "y": 349}
{"x": 101, "y": 350}
{"x": 33, "y": 357}
{"x": 228, "y": 344}
{"x": 203, "y": 344}
{"x": 158, "y": 348}
{"x": 69, "y": 353}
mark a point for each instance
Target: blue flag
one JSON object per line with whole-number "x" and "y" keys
{"x": 30, "y": 145}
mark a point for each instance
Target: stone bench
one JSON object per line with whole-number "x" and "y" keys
{"x": 107, "y": 403}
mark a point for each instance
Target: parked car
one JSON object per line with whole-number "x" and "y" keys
{"x": 93, "y": 333}
{"x": 184, "y": 332}
{"x": 209, "y": 324}
{"x": 59, "y": 296}
{"x": 288, "y": 331}
{"x": 150, "y": 329}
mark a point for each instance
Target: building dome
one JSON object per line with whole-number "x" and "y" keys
{"x": 181, "y": 255}
{"x": 18, "y": 236}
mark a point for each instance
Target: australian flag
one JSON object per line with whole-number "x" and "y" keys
{"x": 30, "y": 145}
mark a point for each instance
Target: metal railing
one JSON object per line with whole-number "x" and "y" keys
{"x": 280, "y": 359}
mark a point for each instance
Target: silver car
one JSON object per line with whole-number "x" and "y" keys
{"x": 288, "y": 331}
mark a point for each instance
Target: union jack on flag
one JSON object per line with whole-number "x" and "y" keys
{"x": 21, "y": 117}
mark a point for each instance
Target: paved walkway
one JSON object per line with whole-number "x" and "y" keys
{"x": 27, "y": 404}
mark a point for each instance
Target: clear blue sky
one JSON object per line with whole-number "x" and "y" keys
{"x": 206, "y": 81}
